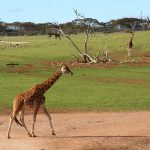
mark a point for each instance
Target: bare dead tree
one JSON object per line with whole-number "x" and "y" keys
{"x": 87, "y": 28}
{"x": 106, "y": 58}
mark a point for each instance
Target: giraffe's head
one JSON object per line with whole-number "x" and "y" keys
{"x": 65, "y": 69}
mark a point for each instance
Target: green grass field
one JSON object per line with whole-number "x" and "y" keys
{"x": 43, "y": 48}
{"x": 117, "y": 88}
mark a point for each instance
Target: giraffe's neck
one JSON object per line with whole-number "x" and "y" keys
{"x": 49, "y": 82}
{"x": 131, "y": 39}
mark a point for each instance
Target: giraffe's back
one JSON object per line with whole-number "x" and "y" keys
{"x": 30, "y": 99}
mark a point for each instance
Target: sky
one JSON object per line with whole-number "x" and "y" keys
{"x": 61, "y": 11}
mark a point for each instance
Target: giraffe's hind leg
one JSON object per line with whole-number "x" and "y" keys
{"x": 34, "y": 119}
{"x": 12, "y": 118}
{"x": 10, "y": 123}
{"x": 49, "y": 117}
{"x": 23, "y": 123}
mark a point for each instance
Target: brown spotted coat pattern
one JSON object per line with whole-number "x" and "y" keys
{"x": 36, "y": 94}
{"x": 34, "y": 98}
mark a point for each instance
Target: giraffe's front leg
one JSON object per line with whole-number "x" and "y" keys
{"x": 34, "y": 120}
{"x": 49, "y": 118}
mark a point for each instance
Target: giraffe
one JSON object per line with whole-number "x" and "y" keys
{"x": 130, "y": 45}
{"x": 34, "y": 99}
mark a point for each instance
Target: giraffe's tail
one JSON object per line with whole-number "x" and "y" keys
{"x": 17, "y": 122}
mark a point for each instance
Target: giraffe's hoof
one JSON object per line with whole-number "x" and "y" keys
{"x": 34, "y": 136}
{"x": 53, "y": 133}
{"x": 30, "y": 135}
{"x": 8, "y": 137}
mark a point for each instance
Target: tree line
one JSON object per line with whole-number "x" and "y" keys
{"x": 73, "y": 27}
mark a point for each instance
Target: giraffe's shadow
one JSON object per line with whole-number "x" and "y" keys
{"x": 89, "y": 136}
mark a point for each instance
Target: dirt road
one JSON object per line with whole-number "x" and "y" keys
{"x": 81, "y": 131}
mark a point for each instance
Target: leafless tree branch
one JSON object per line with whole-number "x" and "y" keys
{"x": 87, "y": 28}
